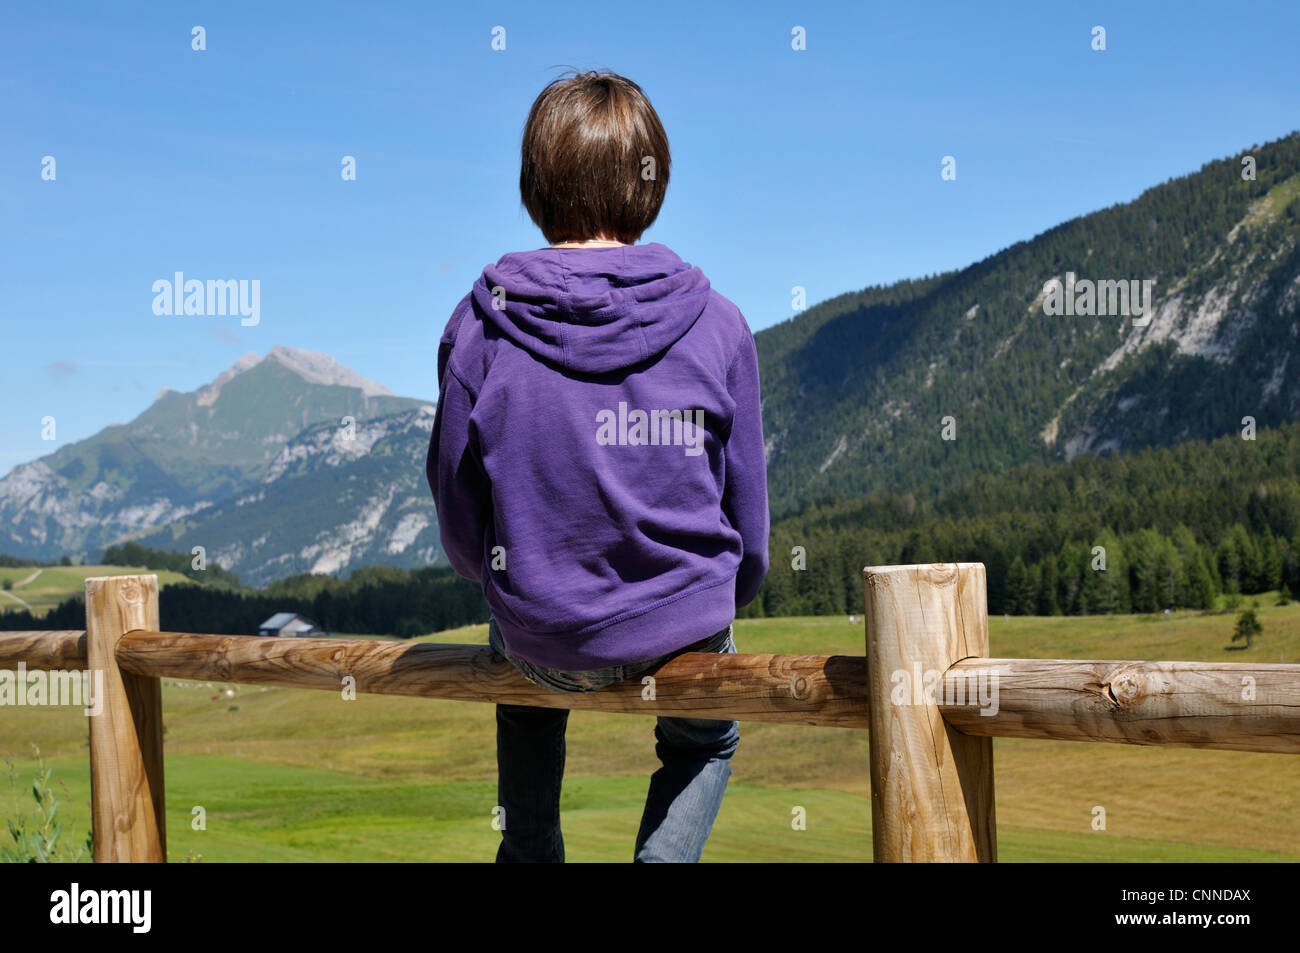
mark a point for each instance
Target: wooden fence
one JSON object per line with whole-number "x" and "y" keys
{"x": 926, "y": 690}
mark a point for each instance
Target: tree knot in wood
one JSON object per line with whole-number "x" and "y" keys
{"x": 1122, "y": 690}
{"x": 1104, "y": 690}
{"x": 1126, "y": 687}
{"x": 220, "y": 660}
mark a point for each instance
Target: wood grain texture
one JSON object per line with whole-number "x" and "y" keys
{"x": 931, "y": 785}
{"x": 828, "y": 691}
{"x": 54, "y": 651}
{"x": 126, "y": 748}
{"x": 1233, "y": 706}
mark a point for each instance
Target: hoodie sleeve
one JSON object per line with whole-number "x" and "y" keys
{"x": 461, "y": 491}
{"x": 744, "y": 498}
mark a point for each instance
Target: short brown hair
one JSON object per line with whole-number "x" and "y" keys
{"x": 587, "y": 140}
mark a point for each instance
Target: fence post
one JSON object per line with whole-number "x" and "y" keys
{"x": 931, "y": 785}
{"x": 126, "y": 748}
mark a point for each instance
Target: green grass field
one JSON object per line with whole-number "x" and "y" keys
{"x": 302, "y": 775}
{"x": 53, "y": 584}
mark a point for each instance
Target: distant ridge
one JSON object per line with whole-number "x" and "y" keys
{"x": 184, "y": 454}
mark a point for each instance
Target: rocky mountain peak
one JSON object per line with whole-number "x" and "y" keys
{"x": 208, "y": 394}
{"x": 320, "y": 368}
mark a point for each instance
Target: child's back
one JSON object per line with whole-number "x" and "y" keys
{"x": 602, "y": 453}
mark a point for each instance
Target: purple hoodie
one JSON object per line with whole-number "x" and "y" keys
{"x": 597, "y": 456}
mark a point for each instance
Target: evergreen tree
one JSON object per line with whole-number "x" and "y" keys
{"x": 1247, "y": 628}
{"x": 1200, "y": 586}
{"x": 1019, "y": 598}
{"x": 1047, "y": 590}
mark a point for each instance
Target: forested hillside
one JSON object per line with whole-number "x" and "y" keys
{"x": 1176, "y": 527}
{"x": 855, "y": 390}
{"x": 377, "y": 600}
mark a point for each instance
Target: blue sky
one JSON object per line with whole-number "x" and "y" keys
{"x": 818, "y": 168}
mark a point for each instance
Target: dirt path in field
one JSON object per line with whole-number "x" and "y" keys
{"x": 30, "y": 578}
{"x": 21, "y": 602}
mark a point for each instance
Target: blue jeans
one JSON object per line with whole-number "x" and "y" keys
{"x": 684, "y": 794}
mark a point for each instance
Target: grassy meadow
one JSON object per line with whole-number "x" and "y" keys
{"x": 292, "y": 775}
{"x": 43, "y": 588}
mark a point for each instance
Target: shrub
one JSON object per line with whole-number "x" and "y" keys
{"x": 1248, "y": 627}
{"x": 38, "y": 836}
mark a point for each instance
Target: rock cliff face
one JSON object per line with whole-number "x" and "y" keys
{"x": 189, "y": 453}
{"x": 335, "y": 498}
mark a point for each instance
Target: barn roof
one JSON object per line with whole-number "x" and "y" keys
{"x": 279, "y": 620}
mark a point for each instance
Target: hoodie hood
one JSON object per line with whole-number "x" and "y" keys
{"x": 592, "y": 310}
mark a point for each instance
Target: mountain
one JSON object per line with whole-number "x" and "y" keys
{"x": 330, "y": 501}
{"x": 857, "y": 392}
{"x": 856, "y": 389}
{"x": 182, "y": 455}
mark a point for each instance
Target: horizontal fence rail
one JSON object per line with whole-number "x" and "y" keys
{"x": 1231, "y": 706}
{"x": 52, "y": 651}
{"x": 1227, "y": 706}
{"x": 827, "y": 691}
{"x": 821, "y": 690}
{"x": 926, "y": 690}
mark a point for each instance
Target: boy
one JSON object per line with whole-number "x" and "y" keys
{"x": 597, "y": 462}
